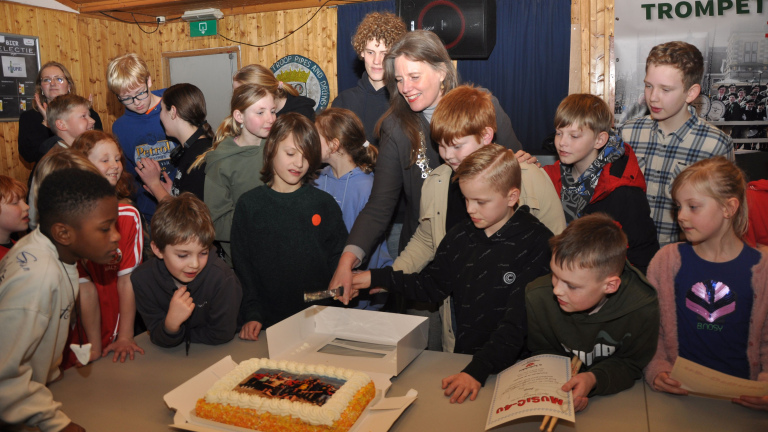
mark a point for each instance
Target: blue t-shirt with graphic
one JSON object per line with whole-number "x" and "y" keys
{"x": 143, "y": 136}
{"x": 714, "y": 305}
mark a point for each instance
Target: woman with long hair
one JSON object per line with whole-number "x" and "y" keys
{"x": 418, "y": 72}
{"x": 52, "y": 80}
{"x": 183, "y": 115}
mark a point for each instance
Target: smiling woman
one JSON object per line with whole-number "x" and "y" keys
{"x": 418, "y": 72}
{"x": 52, "y": 80}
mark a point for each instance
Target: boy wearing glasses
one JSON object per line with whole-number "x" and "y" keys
{"x": 139, "y": 130}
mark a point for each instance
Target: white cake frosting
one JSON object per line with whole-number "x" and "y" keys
{"x": 223, "y": 391}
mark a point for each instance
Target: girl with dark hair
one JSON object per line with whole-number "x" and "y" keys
{"x": 286, "y": 235}
{"x": 183, "y": 116}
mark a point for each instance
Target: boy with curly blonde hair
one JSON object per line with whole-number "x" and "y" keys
{"x": 370, "y": 99}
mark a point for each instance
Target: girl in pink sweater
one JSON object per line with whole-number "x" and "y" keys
{"x": 713, "y": 288}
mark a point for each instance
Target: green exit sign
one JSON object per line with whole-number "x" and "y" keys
{"x": 202, "y": 28}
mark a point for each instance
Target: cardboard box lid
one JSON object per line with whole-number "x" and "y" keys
{"x": 300, "y": 336}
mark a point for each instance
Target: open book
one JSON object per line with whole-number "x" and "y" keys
{"x": 532, "y": 387}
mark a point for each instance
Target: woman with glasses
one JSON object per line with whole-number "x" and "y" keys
{"x": 52, "y": 80}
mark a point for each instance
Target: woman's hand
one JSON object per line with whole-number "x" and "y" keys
{"x": 41, "y": 108}
{"x": 525, "y": 157}
{"x": 343, "y": 275}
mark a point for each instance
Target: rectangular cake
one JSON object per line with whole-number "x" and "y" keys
{"x": 284, "y": 396}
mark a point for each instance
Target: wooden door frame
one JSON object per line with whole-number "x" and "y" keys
{"x": 167, "y": 56}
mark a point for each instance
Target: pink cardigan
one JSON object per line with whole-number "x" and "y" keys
{"x": 661, "y": 273}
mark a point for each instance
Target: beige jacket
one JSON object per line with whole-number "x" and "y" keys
{"x": 537, "y": 192}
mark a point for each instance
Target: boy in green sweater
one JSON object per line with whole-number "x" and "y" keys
{"x": 596, "y": 306}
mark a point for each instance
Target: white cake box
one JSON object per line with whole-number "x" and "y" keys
{"x": 338, "y": 337}
{"x": 397, "y": 340}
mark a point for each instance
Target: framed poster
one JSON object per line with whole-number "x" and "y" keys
{"x": 20, "y": 59}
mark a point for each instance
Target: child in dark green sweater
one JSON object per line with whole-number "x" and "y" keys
{"x": 594, "y": 306}
{"x": 287, "y": 235}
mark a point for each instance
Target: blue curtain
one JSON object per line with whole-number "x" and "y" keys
{"x": 349, "y": 67}
{"x": 528, "y": 69}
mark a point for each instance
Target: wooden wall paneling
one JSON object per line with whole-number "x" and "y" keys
{"x": 574, "y": 75}
{"x": 94, "y": 34}
{"x": 254, "y": 23}
{"x": 109, "y": 49}
{"x": 594, "y": 22}
{"x": 586, "y": 63}
{"x": 596, "y": 47}
{"x": 610, "y": 58}
{"x": 86, "y": 45}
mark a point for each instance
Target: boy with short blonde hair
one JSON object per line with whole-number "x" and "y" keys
{"x": 139, "y": 130}
{"x": 187, "y": 293}
{"x": 68, "y": 116}
{"x": 594, "y": 306}
{"x": 464, "y": 121}
{"x": 672, "y": 136}
{"x": 598, "y": 172}
{"x": 483, "y": 264}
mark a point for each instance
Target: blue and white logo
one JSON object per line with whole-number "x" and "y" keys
{"x": 305, "y": 76}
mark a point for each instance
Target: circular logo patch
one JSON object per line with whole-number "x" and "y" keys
{"x": 316, "y": 220}
{"x": 118, "y": 257}
{"x": 509, "y": 278}
{"x": 305, "y": 76}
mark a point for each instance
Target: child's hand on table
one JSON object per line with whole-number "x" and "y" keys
{"x": 460, "y": 386}
{"x": 581, "y": 384}
{"x": 250, "y": 331}
{"x": 123, "y": 347}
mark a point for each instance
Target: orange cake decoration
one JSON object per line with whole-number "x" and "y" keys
{"x": 270, "y": 396}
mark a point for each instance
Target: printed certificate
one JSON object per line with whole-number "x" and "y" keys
{"x": 703, "y": 381}
{"x": 532, "y": 387}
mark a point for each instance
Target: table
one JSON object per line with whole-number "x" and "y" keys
{"x": 116, "y": 397}
{"x": 623, "y": 412}
{"x": 672, "y": 413}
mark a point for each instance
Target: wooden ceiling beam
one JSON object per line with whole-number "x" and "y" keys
{"x": 112, "y": 5}
{"x": 284, "y": 5}
{"x": 179, "y": 6}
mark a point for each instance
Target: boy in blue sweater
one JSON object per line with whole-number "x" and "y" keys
{"x": 139, "y": 129}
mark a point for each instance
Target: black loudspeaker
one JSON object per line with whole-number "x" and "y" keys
{"x": 466, "y": 27}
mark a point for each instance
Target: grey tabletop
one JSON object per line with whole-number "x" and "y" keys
{"x": 106, "y": 396}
